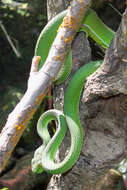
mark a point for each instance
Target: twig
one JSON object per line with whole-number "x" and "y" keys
{"x": 115, "y": 9}
{"x": 9, "y": 40}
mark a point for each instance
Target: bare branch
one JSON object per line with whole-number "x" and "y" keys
{"x": 39, "y": 81}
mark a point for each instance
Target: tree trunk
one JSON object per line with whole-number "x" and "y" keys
{"x": 103, "y": 117}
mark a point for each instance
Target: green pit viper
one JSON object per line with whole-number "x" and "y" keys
{"x": 44, "y": 156}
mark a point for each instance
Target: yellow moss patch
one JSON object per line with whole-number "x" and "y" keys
{"x": 68, "y": 22}
{"x": 80, "y": 1}
{"x": 38, "y": 59}
{"x": 38, "y": 99}
{"x": 19, "y": 127}
{"x": 58, "y": 58}
{"x": 66, "y": 40}
{"x": 69, "y": 39}
{"x": 59, "y": 28}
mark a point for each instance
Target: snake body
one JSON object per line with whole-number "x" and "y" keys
{"x": 91, "y": 25}
{"x": 44, "y": 157}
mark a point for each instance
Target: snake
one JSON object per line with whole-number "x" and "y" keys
{"x": 44, "y": 156}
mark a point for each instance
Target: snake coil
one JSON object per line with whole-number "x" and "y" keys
{"x": 44, "y": 157}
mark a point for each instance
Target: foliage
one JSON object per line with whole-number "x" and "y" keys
{"x": 23, "y": 27}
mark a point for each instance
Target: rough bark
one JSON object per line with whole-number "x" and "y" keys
{"x": 39, "y": 81}
{"x": 55, "y": 6}
{"x": 103, "y": 116}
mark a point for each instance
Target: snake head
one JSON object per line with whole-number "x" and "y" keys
{"x": 36, "y": 167}
{"x": 36, "y": 161}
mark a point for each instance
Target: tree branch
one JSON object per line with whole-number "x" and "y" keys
{"x": 39, "y": 81}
